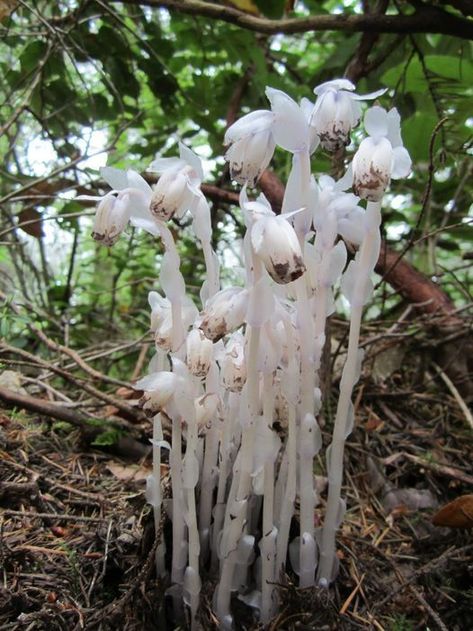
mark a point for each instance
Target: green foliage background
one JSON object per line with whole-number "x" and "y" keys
{"x": 145, "y": 77}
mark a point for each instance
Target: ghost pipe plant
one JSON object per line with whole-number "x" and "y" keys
{"x": 222, "y": 377}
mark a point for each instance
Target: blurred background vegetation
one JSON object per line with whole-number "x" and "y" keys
{"x": 88, "y": 83}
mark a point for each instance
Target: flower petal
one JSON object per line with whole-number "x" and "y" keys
{"x": 290, "y": 127}
{"x": 369, "y": 96}
{"x": 394, "y": 127}
{"x": 335, "y": 84}
{"x": 376, "y": 121}
{"x": 117, "y": 178}
{"x": 402, "y": 163}
{"x": 135, "y": 180}
{"x": 192, "y": 159}
{"x": 252, "y": 123}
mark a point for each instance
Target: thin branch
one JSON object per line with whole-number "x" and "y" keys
{"x": 425, "y": 19}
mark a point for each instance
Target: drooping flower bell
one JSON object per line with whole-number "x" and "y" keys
{"x": 233, "y": 370}
{"x": 337, "y": 111}
{"x": 250, "y": 145}
{"x": 111, "y": 219}
{"x": 273, "y": 239}
{"x": 178, "y": 186}
{"x": 253, "y": 137}
{"x": 159, "y": 388}
{"x": 224, "y": 312}
{"x": 381, "y": 156}
{"x": 199, "y": 353}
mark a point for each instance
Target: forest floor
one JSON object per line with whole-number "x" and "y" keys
{"x": 77, "y": 537}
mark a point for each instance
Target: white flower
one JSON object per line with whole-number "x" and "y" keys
{"x": 206, "y": 407}
{"x": 381, "y": 156}
{"x": 337, "y": 112}
{"x": 159, "y": 388}
{"x": 224, "y": 312}
{"x": 253, "y": 137}
{"x": 128, "y": 200}
{"x": 164, "y": 334}
{"x": 233, "y": 369}
{"x": 199, "y": 353}
{"x": 290, "y": 127}
{"x": 251, "y": 146}
{"x": 349, "y": 216}
{"x": 178, "y": 186}
{"x": 111, "y": 219}
{"x": 273, "y": 239}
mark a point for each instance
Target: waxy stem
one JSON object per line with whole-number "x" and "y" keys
{"x": 367, "y": 258}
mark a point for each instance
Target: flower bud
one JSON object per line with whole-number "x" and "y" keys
{"x": 158, "y": 388}
{"x": 111, "y": 219}
{"x": 251, "y": 146}
{"x": 372, "y": 165}
{"x": 224, "y": 312}
{"x": 275, "y": 242}
{"x": 199, "y": 353}
{"x": 171, "y": 194}
{"x": 234, "y": 365}
{"x": 337, "y": 112}
{"x": 205, "y": 409}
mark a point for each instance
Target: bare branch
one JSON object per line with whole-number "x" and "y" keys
{"x": 425, "y": 19}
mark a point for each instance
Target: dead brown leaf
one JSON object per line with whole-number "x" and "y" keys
{"x": 456, "y": 514}
{"x": 129, "y": 472}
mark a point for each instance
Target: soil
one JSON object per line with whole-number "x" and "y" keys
{"x": 77, "y": 537}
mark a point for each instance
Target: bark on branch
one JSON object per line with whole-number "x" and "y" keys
{"x": 425, "y": 19}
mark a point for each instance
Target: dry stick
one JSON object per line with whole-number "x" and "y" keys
{"x": 54, "y": 346}
{"x": 49, "y": 516}
{"x": 80, "y": 383}
{"x": 456, "y": 395}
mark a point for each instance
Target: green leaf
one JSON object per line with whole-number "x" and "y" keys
{"x": 273, "y": 9}
{"x": 109, "y": 437}
{"x": 449, "y": 70}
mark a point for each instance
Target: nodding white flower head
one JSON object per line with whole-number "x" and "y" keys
{"x": 164, "y": 333}
{"x": 381, "y": 156}
{"x": 337, "y": 212}
{"x": 337, "y": 112}
{"x": 111, "y": 219}
{"x": 234, "y": 364}
{"x": 178, "y": 186}
{"x": 253, "y": 137}
{"x": 199, "y": 353}
{"x": 224, "y": 312}
{"x": 273, "y": 239}
{"x": 275, "y": 242}
{"x": 128, "y": 201}
{"x": 159, "y": 388}
{"x": 251, "y": 146}
{"x": 206, "y": 408}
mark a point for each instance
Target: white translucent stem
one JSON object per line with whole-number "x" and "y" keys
{"x": 287, "y": 505}
{"x": 208, "y": 486}
{"x": 208, "y": 477}
{"x": 307, "y": 406}
{"x": 246, "y": 469}
{"x": 268, "y": 558}
{"x": 211, "y": 267}
{"x": 367, "y": 258}
{"x": 224, "y": 468}
{"x": 178, "y": 524}
{"x": 157, "y": 510}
